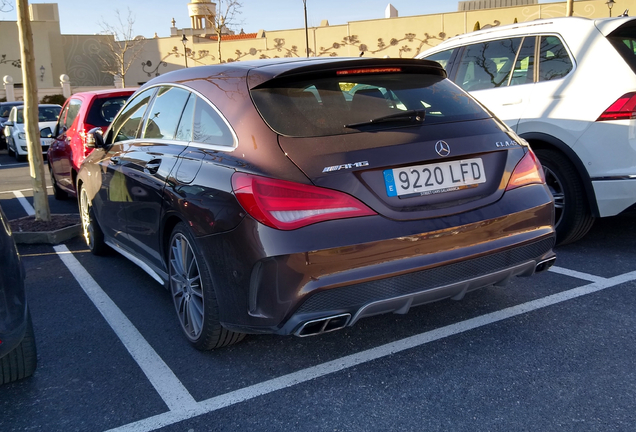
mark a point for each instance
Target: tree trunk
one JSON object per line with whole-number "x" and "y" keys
{"x": 36, "y": 161}
{"x": 218, "y": 35}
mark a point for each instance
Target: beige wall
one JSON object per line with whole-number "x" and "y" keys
{"x": 82, "y": 65}
{"x": 47, "y": 49}
{"x": 393, "y": 37}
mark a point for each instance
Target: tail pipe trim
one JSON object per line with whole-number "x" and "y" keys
{"x": 544, "y": 265}
{"x": 323, "y": 325}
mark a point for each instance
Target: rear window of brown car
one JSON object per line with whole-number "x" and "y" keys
{"x": 330, "y": 105}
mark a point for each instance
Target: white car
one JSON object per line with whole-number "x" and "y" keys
{"x": 14, "y": 129}
{"x": 568, "y": 87}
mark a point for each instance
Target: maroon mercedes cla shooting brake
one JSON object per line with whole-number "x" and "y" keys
{"x": 297, "y": 196}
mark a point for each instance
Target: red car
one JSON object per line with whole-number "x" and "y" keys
{"x": 81, "y": 113}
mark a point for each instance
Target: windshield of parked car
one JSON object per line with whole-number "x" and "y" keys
{"x": 325, "y": 105}
{"x": 45, "y": 114}
{"x": 5, "y": 109}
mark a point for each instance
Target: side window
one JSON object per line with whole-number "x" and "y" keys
{"x": 184, "y": 131}
{"x": 165, "y": 113}
{"x": 59, "y": 127}
{"x": 524, "y": 67}
{"x": 73, "y": 110}
{"x": 487, "y": 65}
{"x": 554, "y": 61}
{"x": 126, "y": 125}
{"x": 442, "y": 57}
{"x": 209, "y": 127}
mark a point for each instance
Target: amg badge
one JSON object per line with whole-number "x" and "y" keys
{"x": 345, "y": 166}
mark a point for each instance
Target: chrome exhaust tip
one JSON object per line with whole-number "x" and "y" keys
{"x": 323, "y": 325}
{"x": 544, "y": 265}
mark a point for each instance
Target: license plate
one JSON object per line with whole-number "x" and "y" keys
{"x": 435, "y": 178}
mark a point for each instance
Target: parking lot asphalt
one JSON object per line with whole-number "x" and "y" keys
{"x": 551, "y": 352}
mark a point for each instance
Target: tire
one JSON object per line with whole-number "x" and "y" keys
{"x": 573, "y": 218}
{"x": 91, "y": 231}
{"x": 193, "y": 294}
{"x": 22, "y": 361}
{"x": 9, "y": 149}
{"x": 58, "y": 193}
{"x": 18, "y": 156}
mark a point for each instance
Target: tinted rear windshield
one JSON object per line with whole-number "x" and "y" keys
{"x": 104, "y": 110}
{"x": 624, "y": 40}
{"x": 323, "y": 106}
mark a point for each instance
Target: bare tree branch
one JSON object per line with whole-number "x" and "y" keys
{"x": 123, "y": 49}
{"x": 223, "y": 18}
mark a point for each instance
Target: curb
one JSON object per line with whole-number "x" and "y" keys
{"x": 48, "y": 237}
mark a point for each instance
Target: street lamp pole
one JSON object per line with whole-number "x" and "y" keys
{"x": 184, "y": 40}
{"x": 306, "y": 32}
{"x": 610, "y": 4}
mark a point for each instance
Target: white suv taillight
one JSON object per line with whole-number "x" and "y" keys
{"x": 623, "y": 109}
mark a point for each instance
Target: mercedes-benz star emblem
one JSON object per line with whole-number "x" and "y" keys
{"x": 442, "y": 148}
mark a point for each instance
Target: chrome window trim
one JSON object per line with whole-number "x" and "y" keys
{"x": 184, "y": 144}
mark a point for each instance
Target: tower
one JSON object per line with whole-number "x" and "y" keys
{"x": 202, "y": 14}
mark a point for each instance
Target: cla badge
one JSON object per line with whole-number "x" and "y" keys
{"x": 442, "y": 148}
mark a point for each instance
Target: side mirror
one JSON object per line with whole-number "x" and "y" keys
{"x": 9, "y": 123}
{"x": 46, "y": 133}
{"x": 95, "y": 138}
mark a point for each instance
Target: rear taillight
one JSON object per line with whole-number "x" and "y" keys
{"x": 528, "y": 171}
{"x": 623, "y": 109}
{"x": 83, "y": 134}
{"x": 286, "y": 205}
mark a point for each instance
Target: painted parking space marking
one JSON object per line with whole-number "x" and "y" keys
{"x": 21, "y": 190}
{"x": 576, "y": 274}
{"x": 26, "y": 205}
{"x": 165, "y": 382}
{"x": 245, "y": 394}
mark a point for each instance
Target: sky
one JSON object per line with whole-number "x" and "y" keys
{"x": 150, "y": 16}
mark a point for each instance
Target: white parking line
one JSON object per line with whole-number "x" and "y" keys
{"x": 25, "y": 204}
{"x": 576, "y": 274}
{"x": 302, "y": 376}
{"x": 171, "y": 390}
{"x": 21, "y": 190}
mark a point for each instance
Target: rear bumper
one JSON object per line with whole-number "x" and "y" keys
{"x": 270, "y": 281}
{"x": 614, "y": 195}
{"x": 398, "y": 294}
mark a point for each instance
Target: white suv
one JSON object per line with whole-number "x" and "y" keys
{"x": 568, "y": 87}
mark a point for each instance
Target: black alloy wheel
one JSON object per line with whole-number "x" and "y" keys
{"x": 91, "y": 231}
{"x": 573, "y": 218}
{"x": 193, "y": 294}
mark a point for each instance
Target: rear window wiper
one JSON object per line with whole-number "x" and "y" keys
{"x": 409, "y": 115}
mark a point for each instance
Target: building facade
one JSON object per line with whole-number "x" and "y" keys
{"x": 74, "y": 55}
